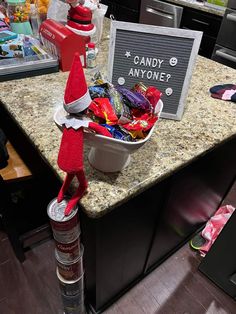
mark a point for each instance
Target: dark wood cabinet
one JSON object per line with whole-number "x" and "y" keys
{"x": 30, "y": 197}
{"x": 208, "y": 23}
{"x": 132, "y": 239}
{"x": 192, "y": 196}
{"x": 127, "y": 11}
{"x": 117, "y": 245}
{"x": 201, "y": 21}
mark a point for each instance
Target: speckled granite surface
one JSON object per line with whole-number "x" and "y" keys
{"x": 199, "y": 6}
{"x": 206, "y": 122}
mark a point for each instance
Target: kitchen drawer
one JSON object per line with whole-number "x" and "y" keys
{"x": 155, "y": 12}
{"x": 224, "y": 56}
{"x": 207, "y": 45}
{"x": 199, "y": 21}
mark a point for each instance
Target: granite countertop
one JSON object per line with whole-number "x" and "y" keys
{"x": 206, "y": 123}
{"x": 201, "y": 6}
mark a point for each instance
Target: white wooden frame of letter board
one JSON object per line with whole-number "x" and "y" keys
{"x": 155, "y": 30}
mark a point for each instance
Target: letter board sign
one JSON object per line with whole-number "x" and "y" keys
{"x": 157, "y": 56}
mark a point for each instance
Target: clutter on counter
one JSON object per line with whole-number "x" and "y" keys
{"x": 61, "y": 28}
{"x": 23, "y": 56}
{"x": 19, "y": 46}
{"x": 18, "y": 13}
{"x": 61, "y": 42}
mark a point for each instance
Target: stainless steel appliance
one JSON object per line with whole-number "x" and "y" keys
{"x": 225, "y": 48}
{"x": 156, "y": 12}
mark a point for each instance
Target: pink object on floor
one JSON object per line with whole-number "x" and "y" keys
{"x": 214, "y": 226}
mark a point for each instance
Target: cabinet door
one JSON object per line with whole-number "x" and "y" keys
{"x": 117, "y": 245}
{"x": 225, "y": 56}
{"x": 131, "y": 4}
{"x": 193, "y": 196}
{"x": 155, "y": 12}
{"x": 122, "y": 13}
{"x": 207, "y": 46}
{"x": 209, "y": 24}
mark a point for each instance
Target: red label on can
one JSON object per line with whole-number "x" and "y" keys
{"x": 70, "y": 270}
{"x": 65, "y": 228}
{"x": 64, "y": 225}
{"x": 68, "y": 251}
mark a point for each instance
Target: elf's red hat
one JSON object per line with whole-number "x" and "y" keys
{"x": 79, "y": 20}
{"x": 76, "y": 97}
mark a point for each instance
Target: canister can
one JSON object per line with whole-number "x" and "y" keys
{"x": 65, "y": 228}
{"x": 70, "y": 270}
{"x": 73, "y": 304}
{"x": 68, "y": 251}
{"x": 72, "y": 287}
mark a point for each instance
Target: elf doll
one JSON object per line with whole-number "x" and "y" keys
{"x": 70, "y": 158}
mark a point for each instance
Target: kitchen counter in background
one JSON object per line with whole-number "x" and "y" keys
{"x": 129, "y": 10}
{"x": 206, "y": 122}
{"x": 198, "y": 6}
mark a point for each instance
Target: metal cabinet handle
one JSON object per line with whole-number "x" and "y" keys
{"x": 201, "y": 22}
{"x": 224, "y": 55}
{"x": 157, "y": 12}
{"x": 231, "y": 17}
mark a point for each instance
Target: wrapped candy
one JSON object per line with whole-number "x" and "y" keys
{"x": 134, "y": 99}
{"x": 153, "y": 95}
{"x": 118, "y": 133}
{"x": 116, "y": 100}
{"x": 99, "y": 91}
{"x": 144, "y": 123}
{"x": 127, "y": 114}
{"x": 102, "y": 108}
{"x": 121, "y": 109}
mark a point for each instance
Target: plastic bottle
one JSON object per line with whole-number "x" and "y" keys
{"x": 91, "y": 55}
{"x": 34, "y": 19}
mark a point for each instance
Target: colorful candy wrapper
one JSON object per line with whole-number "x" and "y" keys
{"x": 153, "y": 95}
{"x": 98, "y": 78}
{"x": 117, "y": 133}
{"x": 99, "y": 91}
{"x": 139, "y": 134}
{"x": 125, "y": 116}
{"x": 116, "y": 100}
{"x": 143, "y": 123}
{"x": 102, "y": 108}
{"x": 94, "y": 118}
{"x": 121, "y": 109}
{"x": 134, "y": 99}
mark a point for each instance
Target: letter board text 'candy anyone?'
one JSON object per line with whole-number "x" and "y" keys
{"x": 156, "y": 56}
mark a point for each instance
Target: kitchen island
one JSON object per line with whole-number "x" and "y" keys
{"x": 134, "y": 219}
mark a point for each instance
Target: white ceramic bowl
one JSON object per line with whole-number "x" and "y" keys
{"x": 109, "y": 154}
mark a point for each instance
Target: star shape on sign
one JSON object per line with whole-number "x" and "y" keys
{"x": 128, "y": 54}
